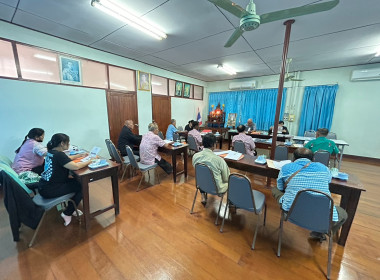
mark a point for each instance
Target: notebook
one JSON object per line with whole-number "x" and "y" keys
{"x": 94, "y": 152}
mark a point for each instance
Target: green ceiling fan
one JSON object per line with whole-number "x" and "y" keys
{"x": 249, "y": 20}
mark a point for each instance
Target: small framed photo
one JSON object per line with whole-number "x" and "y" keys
{"x": 178, "y": 88}
{"x": 186, "y": 91}
{"x": 70, "y": 70}
{"x": 143, "y": 81}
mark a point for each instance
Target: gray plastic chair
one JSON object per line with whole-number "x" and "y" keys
{"x": 6, "y": 160}
{"x": 241, "y": 195}
{"x": 124, "y": 162}
{"x": 205, "y": 181}
{"x": 239, "y": 146}
{"x": 322, "y": 157}
{"x": 313, "y": 210}
{"x": 331, "y": 135}
{"x": 309, "y": 133}
{"x": 161, "y": 135}
{"x": 108, "y": 144}
{"x": 176, "y": 137}
{"x": 49, "y": 203}
{"x": 180, "y": 128}
{"x": 144, "y": 168}
{"x": 192, "y": 144}
{"x": 281, "y": 153}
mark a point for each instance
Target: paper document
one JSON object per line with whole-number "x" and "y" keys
{"x": 233, "y": 155}
{"x": 168, "y": 141}
{"x": 298, "y": 145}
{"x": 277, "y": 164}
{"x": 222, "y": 152}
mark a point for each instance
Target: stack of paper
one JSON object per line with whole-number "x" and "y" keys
{"x": 233, "y": 155}
{"x": 277, "y": 164}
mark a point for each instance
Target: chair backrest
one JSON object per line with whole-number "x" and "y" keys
{"x": 175, "y": 137}
{"x": 240, "y": 192}
{"x": 313, "y": 210}
{"x": 180, "y": 128}
{"x": 331, "y": 135}
{"x": 322, "y": 157}
{"x": 192, "y": 144}
{"x": 239, "y": 146}
{"x": 11, "y": 173}
{"x": 204, "y": 179}
{"x": 161, "y": 135}
{"x": 108, "y": 144}
{"x": 5, "y": 160}
{"x": 281, "y": 153}
{"x": 115, "y": 154}
{"x": 309, "y": 133}
{"x": 131, "y": 157}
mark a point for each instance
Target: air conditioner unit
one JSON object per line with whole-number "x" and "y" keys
{"x": 243, "y": 85}
{"x": 365, "y": 74}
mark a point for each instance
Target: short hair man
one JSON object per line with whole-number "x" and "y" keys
{"x": 148, "y": 149}
{"x": 127, "y": 137}
{"x": 246, "y": 139}
{"x": 217, "y": 165}
{"x": 322, "y": 143}
{"x": 196, "y": 134}
{"x": 171, "y": 130}
{"x": 281, "y": 129}
{"x": 189, "y": 126}
{"x": 250, "y": 126}
{"x": 311, "y": 175}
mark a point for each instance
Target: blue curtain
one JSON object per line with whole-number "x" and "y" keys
{"x": 317, "y": 108}
{"x": 260, "y": 105}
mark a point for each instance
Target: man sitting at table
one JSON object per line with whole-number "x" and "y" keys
{"x": 148, "y": 149}
{"x": 189, "y": 126}
{"x": 281, "y": 129}
{"x": 306, "y": 175}
{"x": 171, "y": 129}
{"x": 127, "y": 137}
{"x": 322, "y": 143}
{"x": 246, "y": 139}
{"x": 196, "y": 134}
{"x": 217, "y": 165}
{"x": 250, "y": 126}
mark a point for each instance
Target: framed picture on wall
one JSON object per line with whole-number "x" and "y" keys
{"x": 143, "y": 81}
{"x": 70, "y": 70}
{"x": 178, "y": 88}
{"x": 186, "y": 91}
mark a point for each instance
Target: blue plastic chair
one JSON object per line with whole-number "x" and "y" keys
{"x": 205, "y": 181}
{"x": 310, "y": 133}
{"x": 192, "y": 144}
{"x": 313, "y": 210}
{"x": 124, "y": 162}
{"x": 108, "y": 144}
{"x": 239, "y": 146}
{"x": 322, "y": 157}
{"x": 281, "y": 153}
{"x": 242, "y": 196}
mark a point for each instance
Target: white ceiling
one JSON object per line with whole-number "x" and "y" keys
{"x": 197, "y": 30}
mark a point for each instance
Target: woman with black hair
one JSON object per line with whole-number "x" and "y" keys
{"x": 30, "y": 155}
{"x": 55, "y": 179}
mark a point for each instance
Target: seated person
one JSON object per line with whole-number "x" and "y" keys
{"x": 148, "y": 149}
{"x": 197, "y": 136}
{"x": 189, "y": 126}
{"x": 246, "y": 139}
{"x": 30, "y": 155}
{"x": 250, "y": 126}
{"x": 55, "y": 179}
{"x": 311, "y": 175}
{"x": 217, "y": 165}
{"x": 281, "y": 129}
{"x": 322, "y": 143}
{"x": 127, "y": 137}
{"x": 171, "y": 129}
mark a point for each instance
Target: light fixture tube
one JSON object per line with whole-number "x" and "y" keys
{"x": 45, "y": 57}
{"x": 227, "y": 69}
{"x": 126, "y": 16}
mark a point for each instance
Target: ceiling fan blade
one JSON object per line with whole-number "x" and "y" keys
{"x": 234, "y": 37}
{"x": 300, "y": 11}
{"x": 297, "y": 80}
{"x": 231, "y": 7}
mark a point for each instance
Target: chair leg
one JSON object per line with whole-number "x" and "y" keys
{"x": 265, "y": 214}
{"x": 329, "y": 257}
{"x": 220, "y": 205}
{"x": 36, "y": 231}
{"x": 158, "y": 175}
{"x": 255, "y": 235}
{"x": 142, "y": 176}
{"x": 76, "y": 211}
{"x": 224, "y": 216}
{"x": 195, "y": 197}
{"x": 280, "y": 235}
{"x": 125, "y": 169}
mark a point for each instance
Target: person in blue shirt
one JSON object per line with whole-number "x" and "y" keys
{"x": 171, "y": 129}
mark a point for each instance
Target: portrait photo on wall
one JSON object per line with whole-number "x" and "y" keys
{"x": 231, "y": 119}
{"x": 186, "y": 91}
{"x": 178, "y": 88}
{"x": 70, "y": 70}
{"x": 143, "y": 81}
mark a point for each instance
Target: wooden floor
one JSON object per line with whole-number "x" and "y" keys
{"x": 155, "y": 237}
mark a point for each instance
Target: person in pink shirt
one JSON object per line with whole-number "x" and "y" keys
{"x": 30, "y": 155}
{"x": 148, "y": 149}
{"x": 196, "y": 134}
{"x": 246, "y": 139}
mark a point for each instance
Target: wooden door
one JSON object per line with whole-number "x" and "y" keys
{"x": 121, "y": 107}
{"x": 161, "y": 111}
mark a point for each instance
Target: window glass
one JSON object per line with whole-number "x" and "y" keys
{"x": 94, "y": 74}
{"x": 159, "y": 85}
{"x": 122, "y": 79}
{"x": 7, "y": 60}
{"x": 171, "y": 87}
{"x": 198, "y": 92}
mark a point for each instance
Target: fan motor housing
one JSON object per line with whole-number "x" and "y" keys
{"x": 249, "y": 22}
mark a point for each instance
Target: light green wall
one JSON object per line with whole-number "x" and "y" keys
{"x": 356, "y": 113}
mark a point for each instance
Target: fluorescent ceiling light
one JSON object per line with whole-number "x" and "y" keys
{"x": 377, "y": 53}
{"x": 121, "y": 13}
{"x": 156, "y": 84}
{"x": 227, "y": 69}
{"x": 45, "y": 57}
{"x": 38, "y": 72}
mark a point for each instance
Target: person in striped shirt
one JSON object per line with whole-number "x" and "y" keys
{"x": 316, "y": 176}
